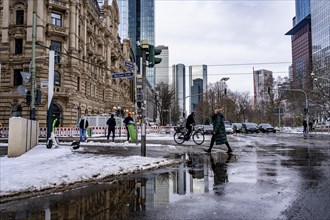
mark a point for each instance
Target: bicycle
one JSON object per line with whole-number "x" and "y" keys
{"x": 197, "y": 135}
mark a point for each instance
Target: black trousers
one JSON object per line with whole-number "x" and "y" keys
{"x": 113, "y": 133}
{"x": 213, "y": 141}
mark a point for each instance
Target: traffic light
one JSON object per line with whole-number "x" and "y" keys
{"x": 153, "y": 51}
{"x": 268, "y": 90}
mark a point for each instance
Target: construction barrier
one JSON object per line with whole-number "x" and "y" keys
{"x": 96, "y": 131}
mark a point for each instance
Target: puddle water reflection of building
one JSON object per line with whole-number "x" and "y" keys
{"x": 199, "y": 175}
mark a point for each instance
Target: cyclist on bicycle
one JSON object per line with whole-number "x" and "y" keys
{"x": 189, "y": 124}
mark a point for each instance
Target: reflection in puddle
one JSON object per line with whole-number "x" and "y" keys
{"x": 128, "y": 196}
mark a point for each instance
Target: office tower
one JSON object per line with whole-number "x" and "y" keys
{"x": 162, "y": 74}
{"x": 197, "y": 72}
{"x": 301, "y": 40}
{"x": 196, "y": 93}
{"x": 141, "y": 26}
{"x": 123, "y": 16}
{"x": 320, "y": 14}
{"x": 262, "y": 79}
{"x": 179, "y": 84}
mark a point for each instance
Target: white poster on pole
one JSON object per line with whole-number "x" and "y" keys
{"x": 51, "y": 77}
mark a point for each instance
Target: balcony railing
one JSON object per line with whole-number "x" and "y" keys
{"x": 57, "y": 30}
{"x": 61, "y": 5}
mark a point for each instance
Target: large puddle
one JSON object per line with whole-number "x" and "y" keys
{"x": 274, "y": 173}
{"x": 128, "y": 195}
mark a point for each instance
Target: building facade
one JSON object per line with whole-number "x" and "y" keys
{"x": 197, "y": 72}
{"x": 87, "y": 49}
{"x": 196, "y": 93}
{"x": 162, "y": 74}
{"x": 301, "y": 41}
{"x": 320, "y": 15}
{"x": 262, "y": 79}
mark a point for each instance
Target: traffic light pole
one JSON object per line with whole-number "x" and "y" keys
{"x": 33, "y": 68}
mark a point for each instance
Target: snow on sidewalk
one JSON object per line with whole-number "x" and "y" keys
{"x": 43, "y": 168}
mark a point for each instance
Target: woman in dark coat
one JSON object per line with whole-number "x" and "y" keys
{"x": 219, "y": 131}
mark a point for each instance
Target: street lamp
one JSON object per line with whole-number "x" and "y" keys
{"x": 225, "y": 79}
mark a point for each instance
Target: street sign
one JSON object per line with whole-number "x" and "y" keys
{"x": 44, "y": 84}
{"x": 122, "y": 75}
{"x": 129, "y": 64}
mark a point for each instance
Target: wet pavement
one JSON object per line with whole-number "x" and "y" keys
{"x": 289, "y": 179}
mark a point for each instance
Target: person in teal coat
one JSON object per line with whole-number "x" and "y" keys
{"x": 219, "y": 131}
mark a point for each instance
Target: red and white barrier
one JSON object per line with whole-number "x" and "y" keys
{"x": 97, "y": 131}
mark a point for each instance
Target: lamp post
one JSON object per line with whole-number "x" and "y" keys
{"x": 225, "y": 79}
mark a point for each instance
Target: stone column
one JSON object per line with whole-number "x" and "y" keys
{"x": 29, "y": 20}
{"x": 40, "y": 21}
{"x": 73, "y": 24}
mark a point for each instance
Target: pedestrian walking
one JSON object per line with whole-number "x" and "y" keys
{"x": 126, "y": 121}
{"x": 111, "y": 122}
{"x": 305, "y": 125}
{"x": 219, "y": 131}
{"x": 83, "y": 125}
{"x": 310, "y": 125}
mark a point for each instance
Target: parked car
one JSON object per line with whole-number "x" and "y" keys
{"x": 237, "y": 127}
{"x": 229, "y": 129}
{"x": 265, "y": 128}
{"x": 208, "y": 129}
{"x": 250, "y": 128}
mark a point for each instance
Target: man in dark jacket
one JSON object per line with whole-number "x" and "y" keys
{"x": 111, "y": 127}
{"x": 83, "y": 125}
{"x": 128, "y": 120}
{"x": 189, "y": 124}
{"x": 219, "y": 131}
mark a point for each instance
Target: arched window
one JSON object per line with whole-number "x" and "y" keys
{"x": 16, "y": 111}
{"x": 57, "y": 78}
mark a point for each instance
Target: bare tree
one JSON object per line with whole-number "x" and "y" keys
{"x": 164, "y": 102}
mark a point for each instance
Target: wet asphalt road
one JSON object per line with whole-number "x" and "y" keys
{"x": 285, "y": 176}
{"x": 289, "y": 179}
{"x": 286, "y": 180}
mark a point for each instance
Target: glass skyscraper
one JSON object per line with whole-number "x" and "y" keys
{"x": 303, "y": 9}
{"x": 197, "y": 72}
{"x": 320, "y": 12}
{"x": 123, "y": 16}
{"x": 141, "y": 26}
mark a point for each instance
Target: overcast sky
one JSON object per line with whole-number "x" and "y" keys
{"x": 227, "y": 32}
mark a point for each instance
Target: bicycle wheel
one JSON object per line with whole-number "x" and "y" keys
{"x": 179, "y": 137}
{"x": 198, "y": 137}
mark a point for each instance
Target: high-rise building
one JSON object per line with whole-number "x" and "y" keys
{"x": 141, "y": 26}
{"x": 123, "y": 16}
{"x": 179, "y": 84}
{"x": 162, "y": 74}
{"x": 196, "y": 93}
{"x": 301, "y": 40}
{"x": 262, "y": 79}
{"x": 320, "y": 14}
{"x": 197, "y": 72}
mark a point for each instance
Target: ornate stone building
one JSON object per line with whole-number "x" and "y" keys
{"x": 88, "y": 51}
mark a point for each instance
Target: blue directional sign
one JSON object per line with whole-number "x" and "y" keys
{"x": 122, "y": 75}
{"x": 129, "y": 64}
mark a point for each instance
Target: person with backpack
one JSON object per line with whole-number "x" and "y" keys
{"x": 111, "y": 127}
